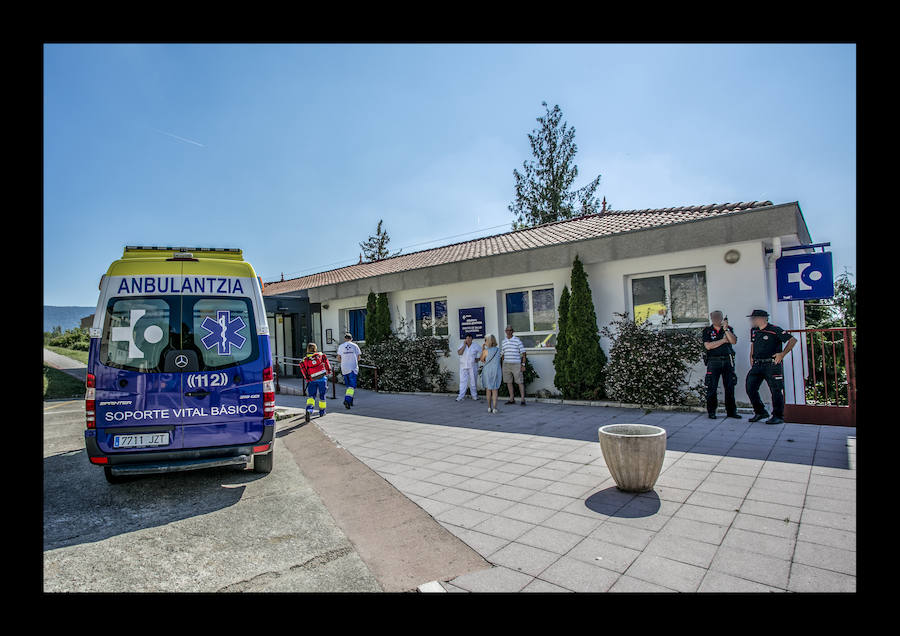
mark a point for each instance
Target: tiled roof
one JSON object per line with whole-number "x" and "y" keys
{"x": 585, "y": 227}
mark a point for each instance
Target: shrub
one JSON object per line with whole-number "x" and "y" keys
{"x": 406, "y": 362}
{"x": 649, "y": 365}
{"x": 77, "y": 339}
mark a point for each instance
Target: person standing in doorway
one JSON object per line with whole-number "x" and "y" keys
{"x": 467, "y": 355}
{"x": 491, "y": 375}
{"x": 348, "y": 355}
{"x": 766, "y": 355}
{"x": 512, "y": 356}
{"x": 717, "y": 340}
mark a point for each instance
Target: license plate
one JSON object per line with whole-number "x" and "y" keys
{"x": 141, "y": 440}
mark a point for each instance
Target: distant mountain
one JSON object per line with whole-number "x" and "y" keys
{"x": 65, "y": 317}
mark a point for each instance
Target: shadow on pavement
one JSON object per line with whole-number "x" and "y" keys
{"x": 686, "y": 431}
{"x": 290, "y": 429}
{"x": 80, "y": 506}
{"x": 616, "y": 503}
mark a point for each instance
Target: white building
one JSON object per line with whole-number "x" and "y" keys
{"x": 701, "y": 257}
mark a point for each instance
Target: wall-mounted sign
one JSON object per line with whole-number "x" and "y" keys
{"x": 471, "y": 322}
{"x": 328, "y": 337}
{"x": 804, "y": 276}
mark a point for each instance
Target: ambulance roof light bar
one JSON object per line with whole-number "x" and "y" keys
{"x": 143, "y": 248}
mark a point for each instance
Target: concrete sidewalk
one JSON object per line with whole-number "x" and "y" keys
{"x": 65, "y": 364}
{"x": 738, "y": 507}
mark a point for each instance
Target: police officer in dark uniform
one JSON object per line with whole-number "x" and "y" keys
{"x": 717, "y": 339}
{"x": 766, "y": 354}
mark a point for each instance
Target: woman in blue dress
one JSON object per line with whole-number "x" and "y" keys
{"x": 491, "y": 375}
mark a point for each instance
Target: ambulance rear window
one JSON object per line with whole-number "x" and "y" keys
{"x": 222, "y": 330}
{"x": 139, "y": 331}
{"x": 136, "y": 333}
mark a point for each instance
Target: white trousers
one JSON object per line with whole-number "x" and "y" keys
{"x": 467, "y": 381}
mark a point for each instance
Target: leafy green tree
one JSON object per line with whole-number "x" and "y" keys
{"x": 560, "y": 360}
{"x": 817, "y": 313}
{"x": 543, "y": 192}
{"x": 845, "y": 299}
{"x": 840, "y": 311}
{"x": 585, "y": 357}
{"x": 375, "y": 247}
{"x": 371, "y": 330}
{"x": 382, "y": 318}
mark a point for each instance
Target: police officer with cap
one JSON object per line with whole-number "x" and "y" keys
{"x": 766, "y": 354}
{"x": 717, "y": 340}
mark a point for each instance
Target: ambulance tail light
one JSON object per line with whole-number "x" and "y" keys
{"x": 89, "y": 402}
{"x": 268, "y": 393}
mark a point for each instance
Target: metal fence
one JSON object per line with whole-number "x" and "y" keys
{"x": 335, "y": 365}
{"x": 827, "y": 380}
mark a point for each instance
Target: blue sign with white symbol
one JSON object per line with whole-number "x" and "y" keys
{"x": 223, "y": 332}
{"x": 471, "y": 322}
{"x": 804, "y": 277}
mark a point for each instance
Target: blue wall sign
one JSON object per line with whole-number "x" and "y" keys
{"x": 804, "y": 277}
{"x": 471, "y": 322}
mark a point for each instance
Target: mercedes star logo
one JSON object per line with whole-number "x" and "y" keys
{"x": 181, "y": 361}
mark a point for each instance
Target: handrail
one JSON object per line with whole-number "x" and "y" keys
{"x": 334, "y": 371}
{"x": 331, "y": 358}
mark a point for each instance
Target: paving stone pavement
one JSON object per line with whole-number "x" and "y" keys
{"x": 738, "y": 507}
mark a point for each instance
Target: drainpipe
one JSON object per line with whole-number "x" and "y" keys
{"x": 776, "y": 250}
{"x": 770, "y": 276}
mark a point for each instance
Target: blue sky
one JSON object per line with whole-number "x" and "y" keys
{"x": 293, "y": 152}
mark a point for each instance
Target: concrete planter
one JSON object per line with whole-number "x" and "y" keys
{"x": 634, "y": 454}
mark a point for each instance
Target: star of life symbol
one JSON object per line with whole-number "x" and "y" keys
{"x": 223, "y": 332}
{"x": 798, "y": 276}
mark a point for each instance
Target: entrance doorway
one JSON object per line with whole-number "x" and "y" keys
{"x": 281, "y": 336}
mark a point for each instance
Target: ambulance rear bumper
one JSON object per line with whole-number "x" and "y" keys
{"x": 151, "y": 461}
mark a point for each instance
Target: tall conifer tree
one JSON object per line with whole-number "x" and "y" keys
{"x": 585, "y": 357}
{"x": 375, "y": 247}
{"x": 371, "y": 329}
{"x": 382, "y": 317}
{"x": 543, "y": 188}
{"x": 560, "y": 361}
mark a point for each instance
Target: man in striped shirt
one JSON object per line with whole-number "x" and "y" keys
{"x": 512, "y": 357}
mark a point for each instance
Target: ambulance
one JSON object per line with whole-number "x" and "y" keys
{"x": 179, "y": 372}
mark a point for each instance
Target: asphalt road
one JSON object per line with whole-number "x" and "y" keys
{"x": 221, "y": 529}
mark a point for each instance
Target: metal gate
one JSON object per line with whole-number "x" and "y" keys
{"x": 824, "y": 369}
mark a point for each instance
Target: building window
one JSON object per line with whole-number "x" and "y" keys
{"x": 431, "y": 317}
{"x": 686, "y": 293}
{"x": 356, "y": 324}
{"x": 532, "y": 315}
